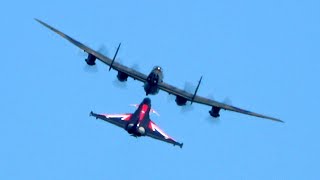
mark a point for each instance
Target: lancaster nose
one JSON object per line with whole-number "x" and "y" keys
{"x": 157, "y": 68}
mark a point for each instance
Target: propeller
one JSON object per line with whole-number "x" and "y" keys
{"x": 171, "y": 97}
{"x": 103, "y": 50}
{"x": 212, "y": 120}
{"x": 116, "y": 82}
{"x": 217, "y": 121}
{"x": 190, "y": 88}
{"x": 135, "y": 66}
{"x": 119, "y": 84}
{"x": 92, "y": 69}
{"x": 186, "y": 108}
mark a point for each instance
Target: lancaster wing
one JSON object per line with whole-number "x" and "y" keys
{"x": 95, "y": 54}
{"x": 209, "y": 102}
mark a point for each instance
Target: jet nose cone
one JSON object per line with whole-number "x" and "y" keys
{"x": 146, "y": 101}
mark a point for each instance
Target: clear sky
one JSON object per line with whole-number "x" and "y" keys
{"x": 263, "y": 55}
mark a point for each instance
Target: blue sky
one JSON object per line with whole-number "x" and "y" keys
{"x": 263, "y": 55}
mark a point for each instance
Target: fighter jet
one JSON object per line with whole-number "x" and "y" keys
{"x": 154, "y": 81}
{"x": 138, "y": 123}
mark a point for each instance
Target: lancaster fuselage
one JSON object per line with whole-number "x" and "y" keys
{"x": 154, "y": 78}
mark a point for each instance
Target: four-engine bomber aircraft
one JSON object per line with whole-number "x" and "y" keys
{"x": 139, "y": 123}
{"x": 154, "y": 81}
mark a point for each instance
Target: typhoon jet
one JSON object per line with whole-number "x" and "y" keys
{"x": 154, "y": 81}
{"x": 138, "y": 123}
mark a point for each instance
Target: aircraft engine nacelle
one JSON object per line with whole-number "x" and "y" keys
{"x": 122, "y": 76}
{"x": 91, "y": 60}
{"x": 130, "y": 128}
{"x": 215, "y": 112}
{"x": 141, "y": 130}
{"x": 181, "y": 101}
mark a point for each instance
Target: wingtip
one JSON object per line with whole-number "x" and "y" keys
{"x": 38, "y": 20}
{"x": 278, "y": 120}
{"x": 41, "y": 22}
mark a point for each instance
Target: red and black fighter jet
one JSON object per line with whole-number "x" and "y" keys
{"x": 138, "y": 123}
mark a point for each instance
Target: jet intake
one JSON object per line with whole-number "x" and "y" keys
{"x": 141, "y": 131}
{"x": 135, "y": 130}
{"x": 122, "y": 76}
{"x": 130, "y": 128}
{"x": 215, "y": 112}
{"x": 91, "y": 60}
{"x": 181, "y": 101}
